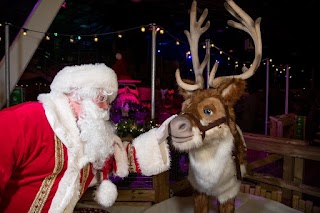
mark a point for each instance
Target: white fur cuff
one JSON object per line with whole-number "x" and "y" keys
{"x": 152, "y": 157}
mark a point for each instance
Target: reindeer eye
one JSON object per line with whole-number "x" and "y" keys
{"x": 208, "y": 111}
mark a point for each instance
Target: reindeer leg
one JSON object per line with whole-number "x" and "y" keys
{"x": 201, "y": 202}
{"x": 227, "y": 207}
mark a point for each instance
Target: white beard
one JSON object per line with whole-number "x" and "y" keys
{"x": 96, "y": 133}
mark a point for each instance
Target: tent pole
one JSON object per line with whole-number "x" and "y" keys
{"x": 287, "y": 90}
{"x": 7, "y": 64}
{"x": 267, "y": 99}
{"x": 153, "y": 70}
{"x": 208, "y": 64}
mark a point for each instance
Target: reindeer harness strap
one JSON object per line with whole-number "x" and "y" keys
{"x": 235, "y": 151}
{"x": 202, "y": 128}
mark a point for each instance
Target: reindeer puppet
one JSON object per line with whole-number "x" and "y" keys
{"x": 206, "y": 127}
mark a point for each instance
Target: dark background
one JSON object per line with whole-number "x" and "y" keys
{"x": 288, "y": 28}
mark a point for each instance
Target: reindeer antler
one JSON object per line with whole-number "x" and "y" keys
{"x": 253, "y": 29}
{"x": 193, "y": 38}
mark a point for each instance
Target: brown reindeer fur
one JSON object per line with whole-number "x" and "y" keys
{"x": 222, "y": 100}
{"x": 201, "y": 202}
{"x": 236, "y": 88}
{"x": 227, "y": 206}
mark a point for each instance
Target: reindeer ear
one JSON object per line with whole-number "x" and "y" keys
{"x": 231, "y": 90}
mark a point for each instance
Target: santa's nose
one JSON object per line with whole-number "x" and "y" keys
{"x": 103, "y": 105}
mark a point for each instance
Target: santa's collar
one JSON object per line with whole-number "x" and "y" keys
{"x": 63, "y": 123}
{"x": 61, "y": 118}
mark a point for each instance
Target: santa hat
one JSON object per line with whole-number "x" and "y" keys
{"x": 87, "y": 75}
{"x": 106, "y": 193}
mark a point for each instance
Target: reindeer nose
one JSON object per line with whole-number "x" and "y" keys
{"x": 180, "y": 126}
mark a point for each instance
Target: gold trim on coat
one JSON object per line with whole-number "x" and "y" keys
{"x": 47, "y": 183}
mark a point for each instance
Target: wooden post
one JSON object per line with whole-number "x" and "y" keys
{"x": 298, "y": 172}
{"x": 161, "y": 186}
{"x": 258, "y": 191}
{"x": 309, "y": 205}
{"x": 288, "y": 166}
{"x": 302, "y": 206}
{"x": 295, "y": 202}
{"x": 279, "y": 196}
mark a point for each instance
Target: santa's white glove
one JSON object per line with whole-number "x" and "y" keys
{"x": 163, "y": 131}
{"x": 120, "y": 157}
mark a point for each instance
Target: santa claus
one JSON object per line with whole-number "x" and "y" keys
{"x": 54, "y": 149}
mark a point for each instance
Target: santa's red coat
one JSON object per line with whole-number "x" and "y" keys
{"x": 33, "y": 160}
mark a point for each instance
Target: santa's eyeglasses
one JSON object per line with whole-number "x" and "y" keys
{"x": 101, "y": 98}
{"x": 97, "y": 95}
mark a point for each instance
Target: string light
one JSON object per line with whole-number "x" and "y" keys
{"x": 143, "y": 29}
{"x": 24, "y": 32}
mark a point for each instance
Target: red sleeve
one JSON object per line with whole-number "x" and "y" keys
{"x": 24, "y": 133}
{"x": 12, "y": 143}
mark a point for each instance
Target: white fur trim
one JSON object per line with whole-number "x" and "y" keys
{"x": 87, "y": 75}
{"x": 61, "y": 119}
{"x": 106, "y": 194}
{"x": 121, "y": 158}
{"x": 63, "y": 123}
{"x": 152, "y": 157}
{"x": 67, "y": 194}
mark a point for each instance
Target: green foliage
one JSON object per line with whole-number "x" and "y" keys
{"x": 131, "y": 127}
